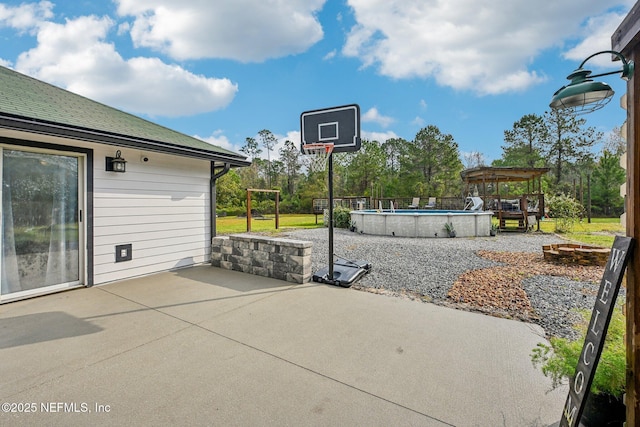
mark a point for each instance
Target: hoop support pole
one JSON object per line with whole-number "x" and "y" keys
{"x": 330, "y": 178}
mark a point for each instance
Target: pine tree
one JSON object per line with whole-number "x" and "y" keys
{"x": 431, "y": 164}
{"x": 607, "y": 178}
{"x": 568, "y": 141}
{"x": 523, "y": 143}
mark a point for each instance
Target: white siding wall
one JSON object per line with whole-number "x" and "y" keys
{"x": 161, "y": 207}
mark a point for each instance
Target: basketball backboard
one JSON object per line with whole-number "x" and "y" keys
{"x": 339, "y": 125}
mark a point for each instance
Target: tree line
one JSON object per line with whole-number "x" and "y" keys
{"x": 430, "y": 166}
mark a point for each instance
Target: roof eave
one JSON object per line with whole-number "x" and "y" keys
{"x": 65, "y": 131}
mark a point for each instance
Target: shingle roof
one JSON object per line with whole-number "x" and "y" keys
{"x": 33, "y": 105}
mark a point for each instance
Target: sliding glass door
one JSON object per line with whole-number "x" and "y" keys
{"x": 41, "y": 222}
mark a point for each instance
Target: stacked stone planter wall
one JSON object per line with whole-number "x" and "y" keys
{"x": 284, "y": 259}
{"x": 569, "y": 253}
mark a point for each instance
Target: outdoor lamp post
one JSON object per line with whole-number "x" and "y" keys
{"x": 583, "y": 95}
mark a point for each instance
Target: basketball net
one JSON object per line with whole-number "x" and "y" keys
{"x": 318, "y": 153}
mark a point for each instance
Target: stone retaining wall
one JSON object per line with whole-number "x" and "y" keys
{"x": 284, "y": 259}
{"x": 569, "y": 253}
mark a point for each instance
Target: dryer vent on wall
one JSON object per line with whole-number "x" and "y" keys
{"x": 123, "y": 253}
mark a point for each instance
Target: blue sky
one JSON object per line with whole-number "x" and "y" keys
{"x": 224, "y": 70}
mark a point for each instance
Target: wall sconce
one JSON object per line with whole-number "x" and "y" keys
{"x": 583, "y": 95}
{"x": 115, "y": 164}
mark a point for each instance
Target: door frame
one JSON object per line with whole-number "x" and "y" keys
{"x": 85, "y": 194}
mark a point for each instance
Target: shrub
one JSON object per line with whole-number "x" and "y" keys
{"x": 560, "y": 359}
{"x": 341, "y": 217}
{"x": 232, "y": 211}
{"x": 290, "y": 204}
{"x": 264, "y": 206}
{"x": 566, "y": 211}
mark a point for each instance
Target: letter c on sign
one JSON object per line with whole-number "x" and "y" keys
{"x": 589, "y": 347}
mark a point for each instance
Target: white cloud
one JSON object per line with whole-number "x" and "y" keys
{"x": 244, "y": 30}
{"x": 373, "y": 115}
{"x": 219, "y": 139}
{"x": 378, "y": 136}
{"x": 76, "y": 56}
{"x": 418, "y": 121}
{"x": 124, "y": 28}
{"x": 597, "y": 32}
{"x": 330, "y": 55}
{"x": 25, "y": 17}
{"x": 484, "y": 46}
{"x": 293, "y": 136}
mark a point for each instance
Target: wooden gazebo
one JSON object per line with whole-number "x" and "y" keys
{"x": 526, "y": 209}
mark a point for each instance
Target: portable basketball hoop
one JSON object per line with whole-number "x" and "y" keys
{"x": 318, "y": 153}
{"x": 323, "y": 132}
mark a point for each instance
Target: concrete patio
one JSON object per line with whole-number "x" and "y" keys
{"x": 208, "y": 346}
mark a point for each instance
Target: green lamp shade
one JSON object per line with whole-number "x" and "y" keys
{"x": 583, "y": 97}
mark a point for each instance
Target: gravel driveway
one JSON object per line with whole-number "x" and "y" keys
{"x": 426, "y": 269}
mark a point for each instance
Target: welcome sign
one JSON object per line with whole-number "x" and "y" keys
{"x": 597, "y": 329}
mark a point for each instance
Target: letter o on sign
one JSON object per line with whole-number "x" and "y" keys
{"x": 579, "y": 380}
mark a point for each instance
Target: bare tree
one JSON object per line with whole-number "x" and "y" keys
{"x": 615, "y": 143}
{"x": 268, "y": 141}
{"x": 290, "y": 156}
{"x": 473, "y": 159}
{"x": 251, "y": 149}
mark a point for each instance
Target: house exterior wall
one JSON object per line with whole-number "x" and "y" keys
{"x": 161, "y": 207}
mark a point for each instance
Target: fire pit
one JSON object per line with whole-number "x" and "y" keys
{"x": 570, "y": 253}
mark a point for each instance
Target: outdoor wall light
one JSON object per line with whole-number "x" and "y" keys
{"x": 116, "y": 164}
{"x": 583, "y": 95}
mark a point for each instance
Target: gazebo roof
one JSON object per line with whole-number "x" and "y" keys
{"x": 501, "y": 174}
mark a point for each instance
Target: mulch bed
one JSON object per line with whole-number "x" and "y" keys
{"x": 499, "y": 290}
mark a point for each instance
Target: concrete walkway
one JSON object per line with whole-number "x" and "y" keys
{"x": 206, "y": 346}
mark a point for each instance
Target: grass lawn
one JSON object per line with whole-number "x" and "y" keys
{"x": 600, "y": 232}
{"x": 233, "y": 224}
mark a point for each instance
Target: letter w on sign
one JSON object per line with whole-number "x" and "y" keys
{"x": 594, "y": 341}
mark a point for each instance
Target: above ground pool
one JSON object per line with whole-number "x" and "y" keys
{"x": 421, "y": 222}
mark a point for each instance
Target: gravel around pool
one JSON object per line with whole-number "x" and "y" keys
{"x": 502, "y": 276}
